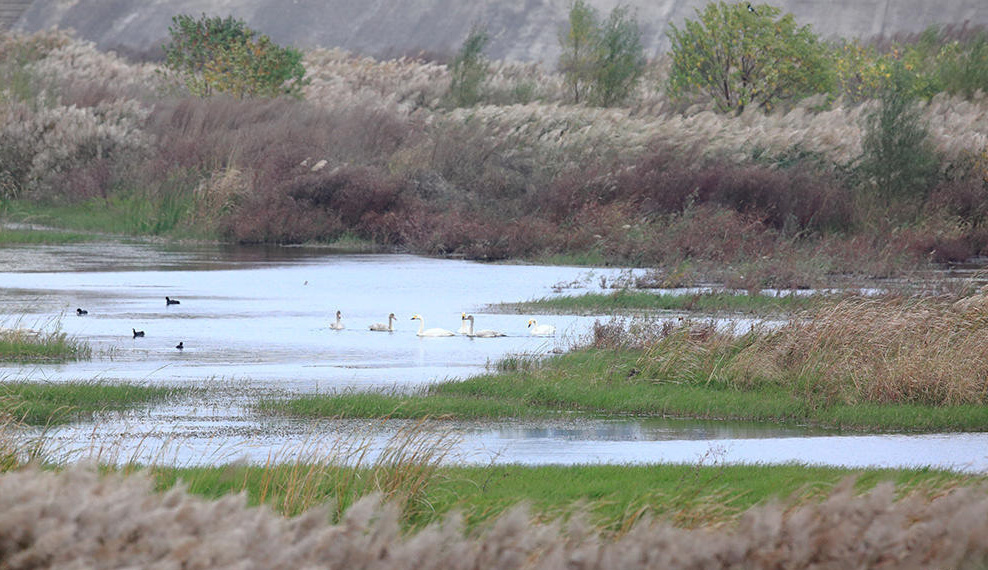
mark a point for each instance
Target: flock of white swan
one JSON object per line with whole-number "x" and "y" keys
{"x": 466, "y": 327}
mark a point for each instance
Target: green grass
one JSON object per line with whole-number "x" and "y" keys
{"x": 627, "y": 301}
{"x": 614, "y": 496}
{"x": 21, "y": 345}
{"x": 43, "y": 403}
{"x": 596, "y": 382}
{"x": 124, "y": 214}
{"x": 10, "y": 236}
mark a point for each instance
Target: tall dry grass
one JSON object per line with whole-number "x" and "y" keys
{"x": 883, "y": 350}
{"x": 78, "y": 518}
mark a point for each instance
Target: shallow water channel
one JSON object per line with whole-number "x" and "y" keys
{"x": 256, "y": 322}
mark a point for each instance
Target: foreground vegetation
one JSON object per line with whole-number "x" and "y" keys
{"x": 877, "y": 364}
{"x": 25, "y": 345}
{"x": 45, "y": 403}
{"x": 627, "y": 517}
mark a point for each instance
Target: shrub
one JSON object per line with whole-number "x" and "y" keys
{"x": 469, "y": 69}
{"x": 739, "y": 55}
{"x": 897, "y": 154}
{"x": 601, "y": 62}
{"x": 619, "y": 59}
{"x": 224, "y": 55}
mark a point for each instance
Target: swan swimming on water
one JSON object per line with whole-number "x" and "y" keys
{"x": 137, "y": 333}
{"x": 338, "y": 325}
{"x": 385, "y": 327}
{"x": 464, "y": 327}
{"x": 486, "y": 333}
{"x": 541, "y": 330}
{"x": 430, "y": 332}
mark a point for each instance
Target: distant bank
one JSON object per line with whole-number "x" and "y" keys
{"x": 524, "y": 30}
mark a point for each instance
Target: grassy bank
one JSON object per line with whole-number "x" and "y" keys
{"x": 43, "y": 403}
{"x": 876, "y": 364}
{"x": 624, "y": 301}
{"x": 615, "y": 496}
{"x": 23, "y": 345}
{"x": 10, "y": 236}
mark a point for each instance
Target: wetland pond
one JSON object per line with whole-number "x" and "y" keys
{"x": 256, "y": 322}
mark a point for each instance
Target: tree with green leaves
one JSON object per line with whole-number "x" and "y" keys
{"x": 601, "y": 61}
{"x": 741, "y": 55}
{"x": 619, "y": 58}
{"x": 897, "y": 155}
{"x": 469, "y": 69}
{"x": 578, "y": 41}
{"x": 213, "y": 54}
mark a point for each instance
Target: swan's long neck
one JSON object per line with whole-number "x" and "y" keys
{"x": 391, "y": 326}
{"x": 421, "y": 325}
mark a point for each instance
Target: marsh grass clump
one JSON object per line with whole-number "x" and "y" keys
{"x": 882, "y": 351}
{"x": 46, "y": 403}
{"x": 25, "y": 345}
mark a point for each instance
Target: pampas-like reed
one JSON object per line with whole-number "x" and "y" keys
{"x": 78, "y": 518}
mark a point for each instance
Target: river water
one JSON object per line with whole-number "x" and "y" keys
{"x": 256, "y": 322}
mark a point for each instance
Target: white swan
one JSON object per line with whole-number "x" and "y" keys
{"x": 464, "y": 327}
{"x": 337, "y": 326}
{"x": 541, "y": 330}
{"x": 486, "y": 333}
{"x": 430, "y": 332}
{"x": 385, "y": 327}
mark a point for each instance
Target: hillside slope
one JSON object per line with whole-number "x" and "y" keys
{"x": 523, "y": 30}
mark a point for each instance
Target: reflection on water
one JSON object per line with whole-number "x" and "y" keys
{"x": 255, "y": 321}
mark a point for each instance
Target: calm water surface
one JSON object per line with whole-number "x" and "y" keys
{"x": 255, "y": 322}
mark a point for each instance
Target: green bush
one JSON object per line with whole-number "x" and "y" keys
{"x": 601, "y": 61}
{"x": 469, "y": 69}
{"x": 740, "y": 55}
{"x": 223, "y": 55}
{"x": 898, "y": 157}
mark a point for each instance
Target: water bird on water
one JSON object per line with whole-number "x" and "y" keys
{"x": 138, "y": 333}
{"x": 464, "y": 325}
{"x": 385, "y": 327}
{"x": 170, "y": 301}
{"x": 180, "y": 345}
{"x": 81, "y": 312}
{"x": 430, "y": 332}
{"x": 338, "y": 325}
{"x": 541, "y": 330}
{"x": 485, "y": 333}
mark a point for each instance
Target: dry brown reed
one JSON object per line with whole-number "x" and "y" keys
{"x": 79, "y": 518}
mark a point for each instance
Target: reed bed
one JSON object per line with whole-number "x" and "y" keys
{"x": 880, "y": 351}
{"x": 81, "y": 518}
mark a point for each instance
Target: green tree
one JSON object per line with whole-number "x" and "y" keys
{"x": 741, "y": 55}
{"x": 213, "y": 54}
{"x": 469, "y": 69}
{"x": 600, "y": 61}
{"x": 897, "y": 154}
{"x": 619, "y": 58}
{"x": 578, "y": 42}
